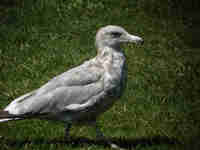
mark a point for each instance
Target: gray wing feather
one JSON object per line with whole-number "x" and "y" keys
{"x": 79, "y": 76}
{"x": 72, "y": 88}
{"x": 59, "y": 99}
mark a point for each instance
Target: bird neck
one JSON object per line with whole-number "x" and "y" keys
{"x": 111, "y": 56}
{"x": 104, "y": 51}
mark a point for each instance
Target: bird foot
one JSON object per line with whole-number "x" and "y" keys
{"x": 67, "y": 138}
{"x": 115, "y": 146}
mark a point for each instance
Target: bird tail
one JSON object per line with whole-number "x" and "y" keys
{"x": 5, "y": 116}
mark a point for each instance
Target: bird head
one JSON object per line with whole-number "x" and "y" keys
{"x": 113, "y": 36}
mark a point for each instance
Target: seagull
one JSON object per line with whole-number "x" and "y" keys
{"x": 81, "y": 94}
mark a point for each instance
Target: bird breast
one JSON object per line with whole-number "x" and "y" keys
{"x": 113, "y": 63}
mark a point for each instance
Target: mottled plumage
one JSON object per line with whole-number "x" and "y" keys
{"x": 82, "y": 93}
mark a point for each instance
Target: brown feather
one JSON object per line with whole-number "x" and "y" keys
{"x": 5, "y": 114}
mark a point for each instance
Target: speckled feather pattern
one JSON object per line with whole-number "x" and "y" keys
{"x": 82, "y": 93}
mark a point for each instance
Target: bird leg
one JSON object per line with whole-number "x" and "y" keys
{"x": 100, "y": 136}
{"x": 67, "y": 129}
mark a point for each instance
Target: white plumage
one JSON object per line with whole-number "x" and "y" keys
{"x": 82, "y": 93}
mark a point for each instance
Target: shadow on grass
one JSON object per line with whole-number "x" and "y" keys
{"x": 83, "y": 141}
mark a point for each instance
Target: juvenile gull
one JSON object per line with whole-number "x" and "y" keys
{"x": 81, "y": 94}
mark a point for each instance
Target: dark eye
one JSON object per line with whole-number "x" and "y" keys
{"x": 116, "y": 34}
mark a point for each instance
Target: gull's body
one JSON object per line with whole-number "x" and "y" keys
{"x": 82, "y": 93}
{"x": 79, "y": 94}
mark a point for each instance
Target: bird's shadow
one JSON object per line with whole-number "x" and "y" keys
{"x": 83, "y": 141}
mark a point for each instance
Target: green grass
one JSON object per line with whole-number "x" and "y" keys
{"x": 160, "y": 107}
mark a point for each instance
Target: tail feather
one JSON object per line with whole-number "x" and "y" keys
{"x": 6, "y": 120}
{"x": 5, "y": 116}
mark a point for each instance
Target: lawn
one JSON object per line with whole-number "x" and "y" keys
{"x": 158, "y": 111}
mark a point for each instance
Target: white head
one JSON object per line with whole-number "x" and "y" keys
{"x": 113, "y": 36}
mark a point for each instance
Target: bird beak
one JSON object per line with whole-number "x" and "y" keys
{"x": 134, "y": 39}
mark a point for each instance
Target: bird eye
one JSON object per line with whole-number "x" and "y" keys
{"x": 116, "y": 34}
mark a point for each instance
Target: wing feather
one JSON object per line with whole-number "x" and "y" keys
{"x": 72, "y": 90}
{"x": 84, "y": 74}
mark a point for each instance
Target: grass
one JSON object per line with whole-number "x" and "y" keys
{"x": 159, "y": 109}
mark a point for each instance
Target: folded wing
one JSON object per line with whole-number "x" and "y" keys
{"x": 73, "y": 90}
